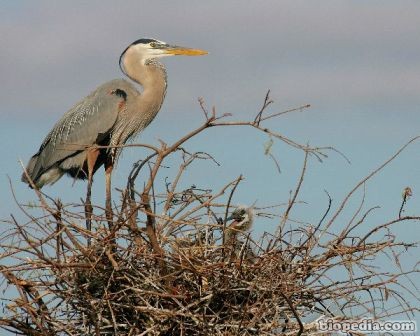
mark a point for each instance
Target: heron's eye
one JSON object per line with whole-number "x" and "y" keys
{"x": 153, "y": 44}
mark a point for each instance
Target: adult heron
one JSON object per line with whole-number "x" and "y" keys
{"x": 91, "y": 133}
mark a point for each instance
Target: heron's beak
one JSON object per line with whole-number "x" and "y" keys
{"x": 177, "y": 50}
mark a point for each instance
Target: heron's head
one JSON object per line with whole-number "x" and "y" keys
{"x": 146, "y": 48}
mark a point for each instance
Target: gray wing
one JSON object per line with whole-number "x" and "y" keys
{"x": 87, "y": 123}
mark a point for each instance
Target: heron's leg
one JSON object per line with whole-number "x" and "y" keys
{"x": 109, "y": 166}
{"x": 92, "y": 155}
{"x": 88, "y": 204}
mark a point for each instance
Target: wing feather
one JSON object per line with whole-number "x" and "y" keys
{"x": 85, "y": 124}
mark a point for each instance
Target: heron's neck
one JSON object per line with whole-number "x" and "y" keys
{"x": 151, "y": 75}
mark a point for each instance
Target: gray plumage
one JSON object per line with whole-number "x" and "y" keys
{"x": 91, "y": 121}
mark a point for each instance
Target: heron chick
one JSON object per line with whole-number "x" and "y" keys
{"x": 92, "y": 132}
{"x": 242, "y": 219}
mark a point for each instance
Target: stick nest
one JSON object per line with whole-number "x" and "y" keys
{"x": 174, "y": 263}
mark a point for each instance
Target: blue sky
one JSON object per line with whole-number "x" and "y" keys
{"x": 356, "y": 62}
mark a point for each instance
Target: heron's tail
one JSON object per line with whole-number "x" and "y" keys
{"x": 29, "y": 171}
{"x": 38, "y": 176}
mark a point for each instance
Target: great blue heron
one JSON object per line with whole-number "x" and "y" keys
{"x": 112, "y": 114}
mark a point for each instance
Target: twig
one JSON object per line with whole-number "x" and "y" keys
{"x": 407, "y": 193}
{"x": 267, "y": 102}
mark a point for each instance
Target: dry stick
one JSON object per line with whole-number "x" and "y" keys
{"x": 406, "y": 194}
{"x": 31, "y": 243}
{"x": 209, "y": 210}
{"x": 150, "y": 230}
{"x": 349, "y": 229}
{"x": 180, "y": 222}
{"x": 295, "y": 194}
{"x": 177, "y": 144}
{"x": 275, "y": 162}
{"x": 203, "y": 108}
{"x": 181, "y": 170}
{"x": 340, "y": 209}
{"x": 327, "y": 256}
{"x": 39, "y": 194}
{"x": 135, "y": 171}
{"x": 114, "y": 321}
{"x": 296, "y": 109}
{"x": 35, "y": 188}
{"x": 315, "y": 150}
{"x": 402, "y": 206}
{"x": 75, "y": 242}
{"x": 267, "y": 101}
{"x": 83, "y": 147}
{"x": 23, "y": 287}
{"x": 170, "y": 219}
{"x": 22, "y": 208}
{"x": 206, "y": 203}
{"x": 146, "y": 332}
{"x": 346, "y": 231}
{"x": 59, "y": 230}
{"x": 145, "y": 200}
{"x": 79, "y": 247}
{"x": 153, "y": 192}
{"x": 133, "y": 175}
{"x": 290, "y": 303}
{"x": 171, "y": 192}
{"x": 362, "y": 240}
{"x": 131, "y": 196}
{"x": 40, "y": 254}
{"x": 319, "y": 223}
